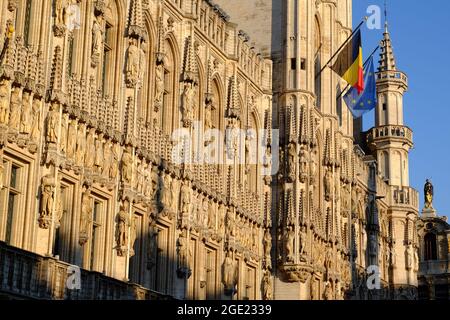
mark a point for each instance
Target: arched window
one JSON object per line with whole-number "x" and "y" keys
{"x": 22, "y": 21}
{"x": 430, "y": 247}
{"x": 216, "y": 112}
{"x": 105, "y": 45}
{"x": 317, "y": 62}
{"x": 252, "y": 154}
{"x": 168, "y": 71}
{"x": 148, "y": 90}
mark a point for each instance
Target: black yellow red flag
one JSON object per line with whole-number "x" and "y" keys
{"x": 349, "y": 63}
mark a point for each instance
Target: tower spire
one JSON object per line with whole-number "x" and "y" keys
{"x": 387, "y": 59}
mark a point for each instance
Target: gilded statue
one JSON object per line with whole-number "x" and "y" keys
{"x": 429, "y": 194}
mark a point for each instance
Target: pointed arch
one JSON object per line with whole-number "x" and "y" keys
{"x": 168, "y": 118}
{"x": 318, "y": 190}
{"x": 113, "y": 29}
{"x": 317, "y": 59}
{"x": 147, "y": 93}
{"x": 218, "y": 92}
{"x": 201, "y": 89}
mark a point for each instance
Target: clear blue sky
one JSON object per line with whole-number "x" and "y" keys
{"x": 420, "y": 33}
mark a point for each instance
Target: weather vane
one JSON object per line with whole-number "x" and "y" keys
{"x": 385, "y": 15}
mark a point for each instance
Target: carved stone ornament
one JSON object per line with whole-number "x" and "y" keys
{"x": 47, "y": 198}
{"x": 296, "y": 273}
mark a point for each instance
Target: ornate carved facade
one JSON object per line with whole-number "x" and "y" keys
{"x": 91, "y": 94}
{"x": 433, "y": 255}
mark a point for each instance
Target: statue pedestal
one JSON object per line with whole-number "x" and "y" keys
{"x": 429, "y": 213}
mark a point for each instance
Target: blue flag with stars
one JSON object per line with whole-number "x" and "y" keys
{"x": 360, "y": 104}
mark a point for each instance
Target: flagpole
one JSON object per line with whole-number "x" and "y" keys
{"x": 342, "y": 46}
{"x": 365, "y": 63}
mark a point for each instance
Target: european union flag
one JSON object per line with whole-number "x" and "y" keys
{"x": 360, "y": 104}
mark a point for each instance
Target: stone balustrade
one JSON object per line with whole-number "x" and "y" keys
{"x": 436, "y": 267}
{"x": 390, "y": 131}
{"x": 404, "y": 196}
{"x": 389, "y": 75}
{"x": 26, "y": 275}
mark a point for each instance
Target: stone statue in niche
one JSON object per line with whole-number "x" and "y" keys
{"x": 328, "y": 184}
{"x": 16, "y": 109}
{"x": 229, "y": 274}
{"x": 230, "y": 225}
{"x": 188, "y": 98}
{"x": 328, "y": 292}
{"x": 53, "y": 124}
{"x": 114, "y": 171}
{"x": 165, "y": 192}
{"x": 204, "y": 211}
{"x": 147, "y": 188}
{"x": 59, "y": 210}
{"x": 25, "y": 118}
{"x": 304, "y": 164}
{"x": 127, "y": 166}
{"x": 212, "y": 217}
{"x": 90, "y": 149}
{"x": 185, "y": 198}
{"x": 328, "y": 259}
{"x": 81, "y": 145}
{"x": 267, "y": 286}
{"x": 132, "y": 65}
{"x": 267, "y": 244}
{"x": 233, "y": 138}
{"x": 208, "y": 117}
{"x": 155, "y": 185}
{"x": 409, "y": 257}
{"x": 86, "y": 215}
{"x": 97, "y": 40}
{"x": 122, "y": 228}
{"x": 98, "y": 163}
{"x": 63, "y": 133}
{"x": 247, "y": 147}
{"x": 61, "y": 12}
{"x": 141, "y": 177}
{"x": 313, "y": 167}
{"x": 184, "y": 254}
{"x": 152, "y": 244}
{"x": 71, "y": 139}
{"x": 174, "y": 194}
{"x": 291, "y": 161}
{"x": 355, "y": 200}
{"x": 107, "y": 159}
{"x": 159, "y": 86}
{"x": 133, "y": 234}
{"x": 302, "y": 244}
{"x": 47, "y": 199}
{"x": 289, "y": 244}
{"x": 255, "y": 236}
{"x": 416, "y": 258}
{"x": 221, "y": 223}
{"x": 4, "y": 101}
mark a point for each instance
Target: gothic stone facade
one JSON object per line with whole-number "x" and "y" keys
{"x": 91, "y": 93}
{"x": 434, "y": 253}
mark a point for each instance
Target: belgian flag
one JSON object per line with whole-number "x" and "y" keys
{"x": 349, "y": 63}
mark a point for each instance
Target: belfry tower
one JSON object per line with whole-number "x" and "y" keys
{"x": 391, "y": 141}
{"x": 392, "y": 138}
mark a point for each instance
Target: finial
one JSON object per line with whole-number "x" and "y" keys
{"x": 385, "y": 17}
